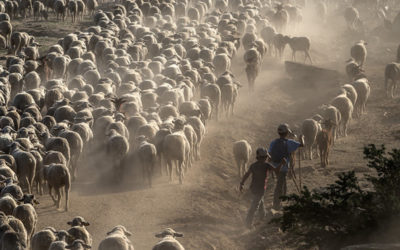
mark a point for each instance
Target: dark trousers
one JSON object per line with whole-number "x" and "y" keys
{"x": 280, "y": 190}
{"x": 257, "y": 203}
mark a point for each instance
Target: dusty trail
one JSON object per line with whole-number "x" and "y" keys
{"x": 207, "y": 207}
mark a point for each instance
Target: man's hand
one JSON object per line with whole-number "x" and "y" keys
{"x": 302, "y": 140}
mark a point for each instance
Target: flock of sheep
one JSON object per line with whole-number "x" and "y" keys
{"x": 138, "y": 87}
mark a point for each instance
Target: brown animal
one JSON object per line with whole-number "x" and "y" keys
{"x": 324, "y": 141}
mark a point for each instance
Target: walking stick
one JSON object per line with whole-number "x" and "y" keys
{"x": 300, "y": 168}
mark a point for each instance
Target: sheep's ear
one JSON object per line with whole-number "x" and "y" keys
{"x": 159, "y": 235}
{"x": 86, "y": 246}
{"x": 178, "y": 234}
{"x": 69, "y": 246}
{"x": 69, "y": 223}
{"x": 36, "y": 202}
{"x": 85, "y": 223}
{"x": 127, "y": 232}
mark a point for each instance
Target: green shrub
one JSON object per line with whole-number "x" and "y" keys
{"x": 342, "y": 212}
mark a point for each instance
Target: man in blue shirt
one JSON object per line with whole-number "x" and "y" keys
{"x": 280, "y": 149}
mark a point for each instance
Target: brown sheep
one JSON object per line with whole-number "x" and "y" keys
{"x": 324, "y": 141}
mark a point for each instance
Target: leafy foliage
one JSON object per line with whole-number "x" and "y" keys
{"x": 342, "y": 211}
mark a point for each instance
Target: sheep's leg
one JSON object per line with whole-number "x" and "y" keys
{"x": 51, "y": 194}
{"x": 180, "y": 167}
{"x": 66, "y": 189}
{"x": 169, "y": 169}
{"x": 58, "y": 192}
{"x": 327, "y": 156}
{"x": 238, "y": 164}
{"x": 308, "y": 56}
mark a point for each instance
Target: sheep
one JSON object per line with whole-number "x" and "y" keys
{"x": 279, "y": 42}
{"x": 7, "y": 204}
{"x": 268, "y": 33}
{"x": 248, "y": 40}
{"x": 91, "y": 6}
{"x": 189, "y": 109}
{"x": 213, "y": 93}
{"x": 27, "y": 214}
{"x": 359, "y": 52}
{"x": 13, "y": 189}
{"x": 32, "y": 80}
{"x": 353, "y": 70}
{"x": 147, "y": 154}
{"x": 6, "y": 31}
{"x": 205, "y": 109}
{"x": 252, "y": 59}
{"x": 58, "y": 176}
{"x": 43, "y": 239}
{"x": 78, "y": 230}
{"x": 363, "y": 91}
{"x": 222, "y": 63}
{"x": 81, "y": 8}
{"x": 174, "y": 152}
{"x": 7, "y": 171}
{"x": 392, "y": 74}
{"x": 57, "y": 144}
{"x": 229, "y": 93}
{"x": 242, "y": 152}
{"x": 345, "y": 107}
{"x": 324, "y": 141}
{"x": 76, "y": 146}
{"x": 299, "y": 44}
{"x": 351, "y": 93}
{"x": 117, "y": 146}
{"x": 12, "y": 240}
{"x": 309, "y": 129}
{"x": 19, "y": 40}
{"x": 351, "y": 16}
{"x": 38, "y": 8}
{"x": 59, "y": 8}
{"x": 168, "y": 240}
{"x": 191, "y": 137}
{"x": 117, "y": 239}
{"x": 26, "y": 165}
{"x": 200, "y": 130}
{"x": 331, "y": 113}
{"x": 78, "y": 245}
{"x": 73, "y": 9}
{"x": 61, "y": 242}
{"x": 280, "y": 19}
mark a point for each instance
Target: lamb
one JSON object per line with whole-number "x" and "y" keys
{"x": 147, "y": 154}
{"x": 363, "y": 91}
{"x": 324, "y": 141}
{"x": 345, "y": 107}
{"x": 43, "y": 239}
{"x": 117, "y": 239}
{"x": 13, "y": 189}
{"x": 38, "y": 8}
{"x": 309, "y": 129}
{"x": 280, "y": 19}
{"x": 57, "y": 177}
{"x": 27, "y": 214}
{"x": 78, "y": 230}
{"x": 12, "y": 240}
{"x": 392, "y": 74}
{"x": 200, "y": 130}
{"x": 279, "y": 42}
{"x": 242, "y": 152}
{"x": 57, "y": 144}
{"x": 268, "y": 33}
{"x": 359, "y": 52}
{"x": 168, "y": 240}
{"x": 19, "y": 40}
{"x": 299, "y": 44}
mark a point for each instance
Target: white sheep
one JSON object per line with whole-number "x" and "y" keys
{"x": 117, "y": 239}
{"x": 309, "y": 129}
{"x": 168, "y": 241}
{"x": 363, "y": 91}
{"x": 57, "y": 177}
{"x": 242, "y": 152}
{"x": 331, "y": 113}
{"x": 345, "y": 107}
{"x": 351, "y": 93}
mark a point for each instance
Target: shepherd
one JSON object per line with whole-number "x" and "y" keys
{"x": 259, "y": 173}
{"x": 280, "y": 149}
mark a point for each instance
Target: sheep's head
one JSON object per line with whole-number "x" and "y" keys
{"x": 78, "y": 221}
{"x": 29, "y": 199}
{"x": 78, "y": 244}
{"x": 120, "y": 229}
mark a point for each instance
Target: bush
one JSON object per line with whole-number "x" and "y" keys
{"x": 342, "y": 212}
